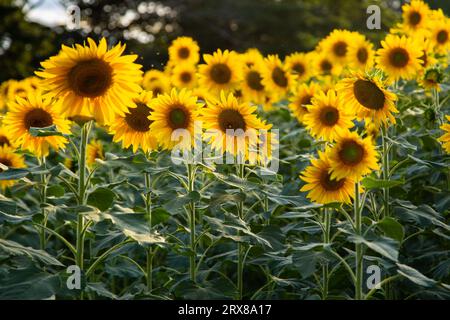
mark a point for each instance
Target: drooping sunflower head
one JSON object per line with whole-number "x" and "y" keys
{"x": 94, "y": 151}
{"x": 231, "y": 126}
{"x": 352, "y": 156}
{"x": 276, "y": 77}
{"x": 92, "y": 79}
{"x": 445, "y": 138}
{"x": 299, "y": 64}
{"x": 301, "y": 98}
{"x": 415, "y": 16}
{"x": 367, "y": 97}
{"x": 326, "y": 117}
{"x": 171, "y": 113}
{"x": 184, "y": 76}
{"x": 432, "y": 78}
{"x": 336, "y": 44}
{"x": 221, "y": 71}
{"x": 399, "y": 57}
{"x": 252, "y": 83}
{"x": 36, "y": 112}
{"x": 323, "y": 189}
{"x": 360, "y": 53}
{"x": 9, "y": 159}
{"x": 133, "y": 128}
{"x": 184, "y": 49}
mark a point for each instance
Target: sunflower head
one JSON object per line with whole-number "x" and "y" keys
{"x": 250, "y": 57}
{"x": 432, "y": 78}
{"x": 299, "y": 64}
{"x": 360, "y": 53}
{"x": 94, "y": 151}
{"x": 301, "y": 98}
{"x": 415, "y": 16}
{"x": 92, "y": 79}
{"x": 445, "y": 138}
{"x": 184, "y": 49}
{"x": 277, "y": 79}
{"x": 9, "y": 159}
{"x": 184, "y": 76}
{"x": 336, "y": 44}
{"x": 252, "y": 83}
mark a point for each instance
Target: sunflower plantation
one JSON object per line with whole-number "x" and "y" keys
{"x": 232, "y": 175}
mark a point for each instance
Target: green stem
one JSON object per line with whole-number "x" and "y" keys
{"x": 148, "y": 208}
{"x": 43, "y": 180}
{"x": 358, "y": 247}
{"x": 386, "y": 165}
{"x": 191, "y": 208}
{"x": 240, "y": 248}
{"x": 326, "y": 239}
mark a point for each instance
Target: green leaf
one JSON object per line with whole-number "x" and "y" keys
{"x": 415, "y": 276}
{"x": 177, "y": 203}
{"x": 7, "y": 205}
{"x": 101, "y": 198}
{"x": 159, "y": 215}
{"x": 16, "y": 249}
{"x": 13, "y": 174}
{"x": 56, "y": 191}
{"x": 372, "y": 183}
{"x": 392, "y": 228}
{"x": 382, "y": 245}
{"x": 45, "y": 132}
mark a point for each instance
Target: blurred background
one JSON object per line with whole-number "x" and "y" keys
{"x": 31, "y": 31}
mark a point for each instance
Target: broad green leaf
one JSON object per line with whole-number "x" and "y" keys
{"x": 101, "y": 198}
{"x": 180, "y": 201}
{"x": 384, "y": 246}
{"x": 13, "y": 174}
{"x": 392, "y": 228}
{"x": 45, "y": 132}
{"x": 16, "y": 249}
{"x": 372, "y": 183}
{"x": 55, "y": 191}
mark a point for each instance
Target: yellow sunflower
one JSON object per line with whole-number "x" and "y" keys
{"x": 251, "y": 56}
{"x": 367, "y": 97}
{"x": 18, "y": 89}
{"x": 324, "y": 66}
{"x": 276, "y": 77}
{"x": 184, "y": 75}
{"x": 170, "y": 112}
{"x": 335, "y": 45}
{"x": 252, "y": 86}
{"x": 440, "y": 35}
{"x": 184, "y": 49}
{"x": 4, "y": 94}
{"x": 222, "y": 71}
{"x": 445, "y": 138}
{"x": 35, "y": 111}
{"x": 399, "y": 57}
{"x": 432, "y": 79}
{"x": 326, "y": 117}
{"x": 94, "y": 151}
{"x": 5, "y": 139}
{"x": 322, "y": 188}
{"x": 427, "y": 58}
{"x": 133, "y": 128}
{"x": 11, "y": 160}
{"x": 360, "y": 53}
{"x": 203, "y": 96}
{"x": 415, "y": 17}
{"x": 231, "y": 127}
{"x": 302, "y": 97}
{"x": 157, "y": 85}
{"x": 299, "y": 64}
{"x": 352, "y": 156}
{"x": 91, "y": 77}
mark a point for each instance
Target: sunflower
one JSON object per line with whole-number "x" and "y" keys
{"x": 222, "y": 71}
{"x": 203, "y": 96}
{"x": 440, "y": 35}
{"x": 133, "y": 128}
{"x": 5, "y": 139}
{"x": 324, "y": 66}
{"x": 4, "y": 87}
{"x": 360, "y": 53}
{"x": 299, "y": 64}
{"x": 335, "y": 45}
{"x": 184, "y": 75}
{"x": 399, "y": 57}
{"x": 184, "y": 49}
{"x": 276, "y": 77}
{"x": 251, "y": 56}
{"x": 170, "y": 112}
{"x": 94, "y": 78}
{"x": 231, "y": 127}
{"x": 427, "y": 58}
{"x": 322, "y": 188}
{"x": 415, "y": 17}
{"x": 352, "y": 156}
{"x": 432, "y": 79}
{"x": 302, "y": 97}
{"x": 445, "y": 138}
{"x": 94, "y": 151}
{"x": 252, "y": 86}
{"x": 326, "y": 117}
{"x": 18, "y": 89}
{"x": 35, "y": 111}
{"x": 11, "y": 160}
{"x": 367, "y": 97}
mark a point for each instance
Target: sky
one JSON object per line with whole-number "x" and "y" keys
{"x": 49, "y": 12}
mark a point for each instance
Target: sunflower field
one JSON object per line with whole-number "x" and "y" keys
{"x": 232, "y": 175}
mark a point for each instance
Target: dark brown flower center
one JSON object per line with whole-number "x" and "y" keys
{"x": 238, "y": 93}
{"x": 5, "y": 162}
{"x": 442, "y": 36}
{"x": 304, "y": 101}
{"x": 90, "y": 78}
{"x": 362, "y": 55}
{"x": 351, "y": 153}
{"x": 340, "y": 48}
{"x": 330, "y": 184}
{"x": 179, "y": 117}
{"x": 4, "y": 141}
{"x": 329, "y": 116}
{"x": 138, "y": 119}
{"x": 254, "y": 80}
{"x": 299, "y": 68}
{"x": 183, "y": 53}
{"x": 220, "y": 73}
{"x": 231, "y": 119}
{"x": 368, "y": 94}
{"x": 399, "y": 57}
{"x": 414, "y": 18}
{"x": 37, "y": 118}
{"x": 156, "y": 91}
{"x": 424, "y": 59}
{"x": 186, "y": 77}
{"x": 326, "y": 66}
{"x": 279, "y": 77}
